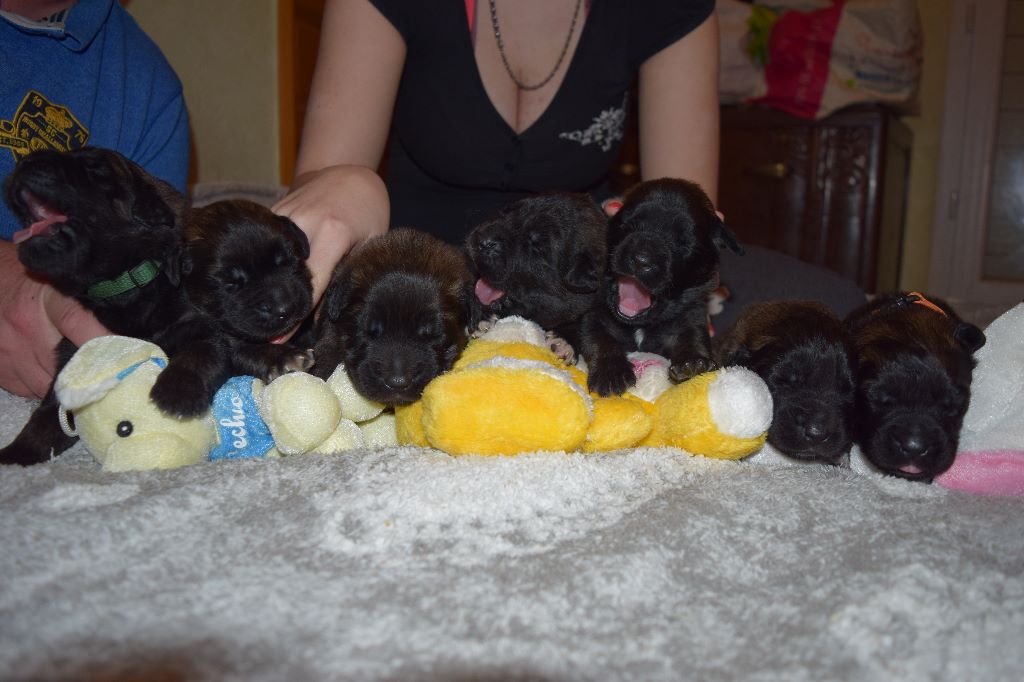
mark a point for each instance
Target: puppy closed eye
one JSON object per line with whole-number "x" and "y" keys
{"x": 951, "y": 406}
{"x": 234, "y": 279}
{"x": 427, "y": 331}
{"x": 539, "y": 242}
{"x": 788, "y": 377}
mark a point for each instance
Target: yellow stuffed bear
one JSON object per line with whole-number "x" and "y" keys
{"x": 106, "y": 387}
{"x": 509, "y": 393}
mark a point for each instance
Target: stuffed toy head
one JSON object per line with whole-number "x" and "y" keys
{"x": 104, "y": 397}
{"x": 106, "y": 384}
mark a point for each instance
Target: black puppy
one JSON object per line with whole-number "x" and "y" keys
{"x": 541, "y": 258}
{"x": 914, "y": 365}
{"x": 802, "y": 351}
{"x": 396, "y": 315}
{"x": 244, "y": 270}
{"x": 106, "y": 233}
{"x": 662, "y": 266}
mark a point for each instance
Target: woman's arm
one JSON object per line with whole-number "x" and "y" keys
{"x": 337, "y": 197}
{"x": 678, "y": 110}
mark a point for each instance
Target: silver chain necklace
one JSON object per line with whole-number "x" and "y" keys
{"x": 504, "y": 59}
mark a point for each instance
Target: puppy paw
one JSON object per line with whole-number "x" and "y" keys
{"x": 293, "y": 360}
{"x": 611, "y": 376}
{"x": 180, "y": 393}
{"x": 680, "y": 372}
{"x": 19, "y": 454}
{"x": 560, "y": 347}
{"x": 483, "y": 327}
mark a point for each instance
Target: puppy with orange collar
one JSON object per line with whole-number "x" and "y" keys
{"x": 914, "y": 361}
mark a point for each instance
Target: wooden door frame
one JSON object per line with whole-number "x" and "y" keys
{"x": 288, "y": 144}
{"x": 965, "y": 170}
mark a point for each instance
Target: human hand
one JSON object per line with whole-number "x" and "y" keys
{"x": 337, "y": 207}
{"x": 33, "y": 318}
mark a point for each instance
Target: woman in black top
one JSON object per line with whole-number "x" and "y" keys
{"x": 478, "y": 122}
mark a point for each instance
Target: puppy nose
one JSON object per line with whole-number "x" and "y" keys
{"x": 816, "y": 432}
{"x": 490, "y": 246}
{"x": 396, "y": 381}
{"x": 275, "y": 309}
{"x": 912, "y": 444}
{"x": 641, "y": 260}
{"x": 815, "y": 428}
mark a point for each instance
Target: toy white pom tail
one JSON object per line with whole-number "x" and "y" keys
{"x": 740, "y": 403}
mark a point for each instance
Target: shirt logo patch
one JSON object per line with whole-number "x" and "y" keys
{"x": 606, "y": 130}
{"x": 40, "y": 124}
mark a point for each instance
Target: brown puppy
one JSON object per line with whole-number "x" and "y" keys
{"x": 914, "y": 363}
{"x": 106, "y": 233}
{"x": 803, "y": 353}
{"x": 245, "y": 274}
{"x": 396, "y": 315}
{"x": 662, "y": 267}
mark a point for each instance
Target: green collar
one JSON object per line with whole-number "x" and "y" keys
{"x": 138, "y": 277}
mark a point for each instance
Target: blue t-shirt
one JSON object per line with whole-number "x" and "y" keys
{"x": 89, "y": 75}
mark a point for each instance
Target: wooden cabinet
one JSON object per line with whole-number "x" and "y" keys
{"x": 830, "y": 192}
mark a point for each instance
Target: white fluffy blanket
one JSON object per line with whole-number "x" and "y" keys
{"x": 408, "y": 564}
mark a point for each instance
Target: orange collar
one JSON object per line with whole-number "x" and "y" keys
{"x": 919, "y": 298}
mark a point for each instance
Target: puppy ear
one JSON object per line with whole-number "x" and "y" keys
{"x": 729, "y": 350}
{"x": 296, "y": 233}
{"x": 725, "y": 238}
{"x": 969, "y": 336}
{"x": 335, "y": 298}
{"x": 474, "y": 308}
{"x": 174, "y": 264}
{"x": 150, "y": 197}
{"x": 583, "y": 274}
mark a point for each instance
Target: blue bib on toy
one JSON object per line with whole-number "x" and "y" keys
{"x": 241, "y": 430}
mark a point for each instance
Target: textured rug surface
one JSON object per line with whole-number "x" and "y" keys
{"x": 410, "y": 565}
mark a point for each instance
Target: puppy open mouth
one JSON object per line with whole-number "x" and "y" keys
{"x": 487, "y": 292}
{"x": 634, "y": 299}
{"x": 44, "y": 219}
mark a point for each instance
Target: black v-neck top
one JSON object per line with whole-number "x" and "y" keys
{"x": 453, "y": 159}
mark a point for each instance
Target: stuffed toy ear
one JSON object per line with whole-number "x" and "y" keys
{"x": 969, "y": 336}
{"x": 99, "y": 365}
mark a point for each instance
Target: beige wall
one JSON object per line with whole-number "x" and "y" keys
{"x": 927, "y": 129}
{"x": 225, "y": 52}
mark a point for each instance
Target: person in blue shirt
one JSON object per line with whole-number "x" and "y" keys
{"x": 75, "y": 73}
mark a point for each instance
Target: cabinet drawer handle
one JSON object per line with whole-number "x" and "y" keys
{"x": 776, "y": 171}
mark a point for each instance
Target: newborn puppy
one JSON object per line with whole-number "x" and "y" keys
{"x": 541, "y": 258}
{"x": 914, "y": 364}
{"x": 245, "y": 274}
{"x": 106, "y": 233}
{"x": 803, "y": 353}
{"x": 396, "y": 315}
{"x": 662, "y": 266}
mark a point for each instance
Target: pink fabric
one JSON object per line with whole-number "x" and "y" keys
{"x": 993, "y": 472}
{"x": 799, "y": 47}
